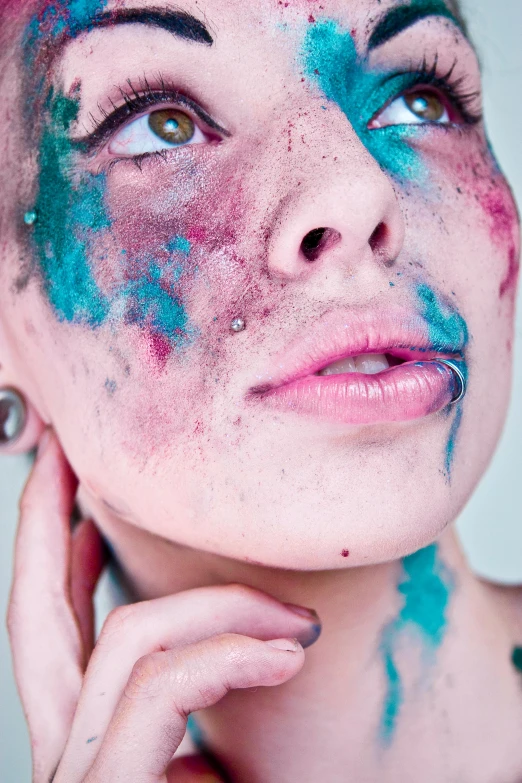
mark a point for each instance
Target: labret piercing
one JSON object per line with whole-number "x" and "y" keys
{"x": 460, "y": 378}
{"x": 238, "y": 324}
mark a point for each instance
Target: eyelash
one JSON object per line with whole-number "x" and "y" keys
{"x": 453, "y": 88}
{"x": 137, "y": 99}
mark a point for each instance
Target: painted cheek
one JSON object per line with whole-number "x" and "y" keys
{"x": 479, "y": 177}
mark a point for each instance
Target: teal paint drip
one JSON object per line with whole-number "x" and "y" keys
{"x": 448, "y": 333}
{"x": 71, "y": 212}
{"x": 331, "y": 61}
{"x": 452, "y": 439}
{"x": 426, "y": 586}
{"x": 447, "y": 329}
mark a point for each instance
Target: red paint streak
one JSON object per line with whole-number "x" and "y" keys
{"x": 511, "y": 278}
{"x": 196, "y": 234}
{"x": 500, "y": 209}
{"x": 345, "y": 553}
{"x": 160, "y": 348}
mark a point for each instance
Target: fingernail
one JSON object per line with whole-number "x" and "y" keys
{"x": 290, "y": 645}
{"x": 44, "y": 441}
{"x": 310, "y": 636}
{"x": 309, "y": 614}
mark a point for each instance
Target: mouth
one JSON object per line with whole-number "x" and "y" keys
{"x": 359, "y": 369}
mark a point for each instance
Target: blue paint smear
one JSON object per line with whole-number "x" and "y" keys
{"x": 426, "y": 586}
{"x": 447, "y": 329}
{"x": 72, "y": 219}
{"x": 331, "y": 61}
{"x": 448, "y": 333}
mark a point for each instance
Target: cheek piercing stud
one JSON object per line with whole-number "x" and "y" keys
{"x": 30, "y": 218}
{"x": 238, "y": 325}
{"x": 459, "y": 377}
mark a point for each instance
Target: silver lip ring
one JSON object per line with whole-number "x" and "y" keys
{"x": 460, "y": 377}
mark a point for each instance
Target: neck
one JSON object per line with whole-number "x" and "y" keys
{"x": 376, "y": 675}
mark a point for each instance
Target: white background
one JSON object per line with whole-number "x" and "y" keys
{"x": 491, "y": 526}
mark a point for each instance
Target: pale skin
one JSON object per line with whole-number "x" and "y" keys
{"x": 224, "y": 516}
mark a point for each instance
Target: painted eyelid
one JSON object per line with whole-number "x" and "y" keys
{"x": 398, "y": 94}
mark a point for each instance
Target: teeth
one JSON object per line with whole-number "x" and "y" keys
{"x": 366, "y": 363}
{"x": 371, "y": 363}
{"x": 340, "y": 367}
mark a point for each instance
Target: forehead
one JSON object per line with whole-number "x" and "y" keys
{"x": 62, "y": 16}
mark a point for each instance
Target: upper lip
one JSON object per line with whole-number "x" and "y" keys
{"x": 342, "y": 333}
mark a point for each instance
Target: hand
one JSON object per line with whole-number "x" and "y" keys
{"x": 117, "y": 710}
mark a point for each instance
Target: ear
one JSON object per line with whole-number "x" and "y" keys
{"x": 27, "y": 426}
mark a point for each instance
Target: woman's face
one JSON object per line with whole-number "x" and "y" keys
{"x": 174, "y": 172}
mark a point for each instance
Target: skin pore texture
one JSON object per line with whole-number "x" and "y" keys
{"x": 124, "y": 262}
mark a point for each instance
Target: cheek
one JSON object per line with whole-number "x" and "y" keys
{"x": 175, "y": 264}
{"x": 494, "y": 214}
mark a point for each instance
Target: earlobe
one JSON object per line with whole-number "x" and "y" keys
{"x": 20, "y": 425}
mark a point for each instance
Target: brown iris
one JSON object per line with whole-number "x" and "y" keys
{"x": 426, "y": 105}
{"x": 172, "y": 125}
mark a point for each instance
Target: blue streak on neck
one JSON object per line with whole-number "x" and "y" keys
{"x": 331, "y": 61}
{"x": 426, "y": 586}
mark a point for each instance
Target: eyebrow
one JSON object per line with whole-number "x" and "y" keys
{"x": 401, "y": 17}
{"x": 179, "y": 23}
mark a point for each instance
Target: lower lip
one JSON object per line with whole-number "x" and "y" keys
{"x": 403, "y": 393}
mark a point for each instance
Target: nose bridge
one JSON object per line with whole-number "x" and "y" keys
{"x": 324, "y": 177}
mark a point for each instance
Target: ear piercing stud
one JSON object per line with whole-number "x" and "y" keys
{"x": 13, "y": 416}
{"x": 238, "y": 325}
{"x": 460, "y": 380}
{"x": 30, "y": 218}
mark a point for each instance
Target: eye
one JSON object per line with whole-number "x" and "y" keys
{"x": 415, "y": 107}
{"x": 156, "y": 131}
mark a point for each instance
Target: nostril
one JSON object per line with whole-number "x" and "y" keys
{"x": 317, "y": 240}
{"x": 379, "y": 239}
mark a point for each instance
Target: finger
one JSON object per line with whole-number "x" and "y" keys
{"x": 164, "y": 688}
{"x": 43, "y": 631}
{"x": 87, "y": 563}
{"x": 165, "y": 623}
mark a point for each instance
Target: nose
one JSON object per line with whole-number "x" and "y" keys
{"x": 338, "y": 207}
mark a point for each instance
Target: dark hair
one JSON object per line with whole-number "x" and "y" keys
{"x": 454, "y": 6}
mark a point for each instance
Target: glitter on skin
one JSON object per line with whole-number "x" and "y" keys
{"x": 331, "y": 61}
{"x": 426, "y": 586}
{"x": 72, "y": 215}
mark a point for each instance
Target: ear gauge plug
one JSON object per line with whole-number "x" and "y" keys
{"x": 13, "y": 416}
{"x": 238, "y": 325}
{"x": 30, "y": 218}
